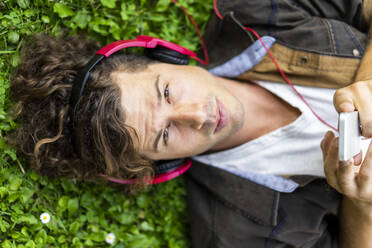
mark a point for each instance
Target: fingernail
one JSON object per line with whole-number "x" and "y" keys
{"x": 326, "y": 135}
{"x": 346, "y": 163}
{"x": 343, "y": 163}
{"x": 346, "y": 106}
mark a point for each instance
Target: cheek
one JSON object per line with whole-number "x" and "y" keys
{"x": 189, "y": 140}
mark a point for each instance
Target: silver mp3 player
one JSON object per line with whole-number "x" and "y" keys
{"x": 349, "y": 139}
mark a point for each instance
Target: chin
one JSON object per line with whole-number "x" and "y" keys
{"x": 237, "y": 120}
{"x": 220, "y": 141}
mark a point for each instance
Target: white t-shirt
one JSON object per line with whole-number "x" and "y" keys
{"x": 290, "y": 150}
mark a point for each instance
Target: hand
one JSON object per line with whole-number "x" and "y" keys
{"x": 347, "y": 177}
{"x": 357, "y": 96}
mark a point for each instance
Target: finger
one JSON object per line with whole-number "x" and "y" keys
{"x": 326, "y": 141}
{"x": 343, "y": 100}
{"x": 331, "y": 164}
{"x": 365, "y": 117}
{"x": 362, "y": 99}
{"x": 346, "y": 178}
{"x": 364, "y": 178}
{"x": 358, "y": 158}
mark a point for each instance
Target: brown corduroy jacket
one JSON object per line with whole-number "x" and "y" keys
{"x": 323, "y": 52}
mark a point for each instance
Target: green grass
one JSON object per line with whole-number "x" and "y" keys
{"x": 82, "y": 214}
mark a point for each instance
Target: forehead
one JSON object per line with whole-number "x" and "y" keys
{"x": 132, "y": 78}
{"x": 138, "y": 100}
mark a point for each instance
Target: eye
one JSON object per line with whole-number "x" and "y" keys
{"x": 166, "y": 134}
{"x": 166, "y": 93}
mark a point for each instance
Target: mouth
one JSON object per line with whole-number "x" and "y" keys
{"x": 222, "y": 118}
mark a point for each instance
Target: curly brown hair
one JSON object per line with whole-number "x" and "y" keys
{"x": 41, "y": 87}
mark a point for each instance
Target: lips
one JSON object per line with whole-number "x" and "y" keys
{"x": 222, "y": 117}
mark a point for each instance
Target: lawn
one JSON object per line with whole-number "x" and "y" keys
{"x": 85, "y": 214}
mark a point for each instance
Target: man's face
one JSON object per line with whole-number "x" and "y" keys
{"x": 177, "y": 111}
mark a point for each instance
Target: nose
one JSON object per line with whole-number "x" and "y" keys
{"x": 193, "y": 114}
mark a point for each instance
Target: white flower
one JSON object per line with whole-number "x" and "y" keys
{"x": 45, "y": 218}
{"x": 110, "y": 238}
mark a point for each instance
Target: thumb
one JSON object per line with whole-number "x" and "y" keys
{"x": 343, "y": 100}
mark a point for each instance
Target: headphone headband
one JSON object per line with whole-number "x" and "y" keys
{"x": 146, "y": 42}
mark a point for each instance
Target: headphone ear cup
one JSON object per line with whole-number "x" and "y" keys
{"x": 167, "y": 55}
{"x": 164, "y": 166}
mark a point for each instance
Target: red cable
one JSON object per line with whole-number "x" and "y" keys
{"x": 287, "y": 80}
{"x": 218, "y": 14}
{"x": 206, "y": 57}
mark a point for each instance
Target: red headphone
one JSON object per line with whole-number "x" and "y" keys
{"x": 158, "y": 49}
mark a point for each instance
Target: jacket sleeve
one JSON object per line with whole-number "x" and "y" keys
{"x": 364, "y": 71}
{"x": 367, "y": 12}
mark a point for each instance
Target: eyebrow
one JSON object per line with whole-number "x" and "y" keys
{"x": 157, "y": 88}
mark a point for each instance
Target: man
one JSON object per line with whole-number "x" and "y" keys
{"x": 243, "y": 128}
{"x": 257, "y": 178}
